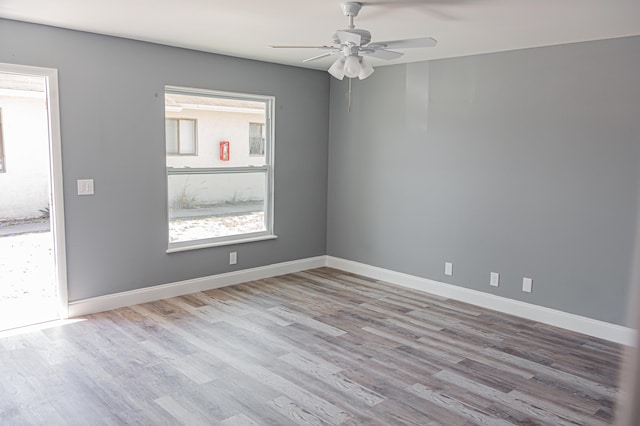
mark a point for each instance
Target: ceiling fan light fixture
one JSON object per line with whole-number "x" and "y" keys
{"x": 352, "y": 66}
{"x": 366, "y": 70}
{"x": 337, "y": 69}
{"x": 352, "y": 43}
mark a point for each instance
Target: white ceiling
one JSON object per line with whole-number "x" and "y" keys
{"x": 246, "y": 28}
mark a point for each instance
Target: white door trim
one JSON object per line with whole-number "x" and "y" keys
{"x": 55, "y": 172}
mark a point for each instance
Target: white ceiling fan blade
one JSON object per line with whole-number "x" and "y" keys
{"x": 387, "y": 55}
{"x": 405, "y": 44}
{"x": 301, "y": 47}
{"x": 347, "y": 37}
{"x": 319, "y": 56}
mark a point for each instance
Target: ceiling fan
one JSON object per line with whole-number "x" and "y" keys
{"x": 353, "y": 44}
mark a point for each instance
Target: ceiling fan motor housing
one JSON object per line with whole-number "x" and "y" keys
{"x": 365, "y": 36}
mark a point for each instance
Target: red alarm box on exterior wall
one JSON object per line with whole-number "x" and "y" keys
{"x": 224, "y": 150}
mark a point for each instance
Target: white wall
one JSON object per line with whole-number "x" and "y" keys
{"x": 24, "y": 187}
{"x": 189, "y": 191}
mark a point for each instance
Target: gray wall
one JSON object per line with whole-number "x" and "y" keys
{"x": 524, "y": 163}
{"x": 112, "y": 126}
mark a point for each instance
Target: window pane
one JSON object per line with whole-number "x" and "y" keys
{"x": 171, "y": 130}
{"x": 187, "y": 136}
{"x": 203, "y": 206}
{"x": 219, "y": 119}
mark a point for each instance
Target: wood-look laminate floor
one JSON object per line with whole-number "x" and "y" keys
{"x": 317, "y": 347}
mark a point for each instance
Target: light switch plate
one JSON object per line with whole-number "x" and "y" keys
{"x": 527, "y": 285}
{"x": 494, "y": 279}
{"x": 85, "y": 186}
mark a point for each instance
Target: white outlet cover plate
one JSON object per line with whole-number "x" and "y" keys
{"x": 494, "y": 280}
{"x": 527, "y": 285}
{"x": 233, "y": 258}
{"x": 448, "y": 268}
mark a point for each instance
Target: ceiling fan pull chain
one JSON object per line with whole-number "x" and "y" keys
{"x": 349, "y": 102}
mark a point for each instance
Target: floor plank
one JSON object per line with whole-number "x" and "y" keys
{"x": 313, "y": 348}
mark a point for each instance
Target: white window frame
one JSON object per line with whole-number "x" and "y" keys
{"x": 267, "y": 169}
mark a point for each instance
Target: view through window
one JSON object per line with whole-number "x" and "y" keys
{"x": 220, "y": 188}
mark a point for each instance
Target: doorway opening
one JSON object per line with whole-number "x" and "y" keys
{"x": 33, "y": 285}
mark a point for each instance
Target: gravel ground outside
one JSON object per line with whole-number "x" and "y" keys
{"x": 26, "y": 266}
{"x": 186, "y": 229}
{"x": 27, "y": 289}
{"x": 26, "y": 259}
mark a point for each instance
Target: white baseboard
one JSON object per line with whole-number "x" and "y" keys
{"x": 603, "y": 330}
{"x": 149, "y": 294}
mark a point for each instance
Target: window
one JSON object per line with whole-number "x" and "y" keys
{"x": 2, "y": 166}
{"x": 221, "y": 193}
{"x": 181, "y": 136}
{"x": 256, "y": 139}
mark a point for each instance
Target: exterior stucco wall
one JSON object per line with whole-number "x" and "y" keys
{"x": 25, "y": 183}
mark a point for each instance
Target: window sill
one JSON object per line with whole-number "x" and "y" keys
{"x": 196, "y": 246}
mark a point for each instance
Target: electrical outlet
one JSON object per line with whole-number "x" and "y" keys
{"x": 233, "y": 258}
{"x": 448, "y": 268}
{"x": 527, "y": 285}
{"x": 494, "y": 280}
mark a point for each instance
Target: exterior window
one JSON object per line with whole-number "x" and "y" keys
{"x": 221, "y": 193}
{"x": 181, "y": 136}
{"x": 256, "y": 139}
{"x": 2, "y": 166}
